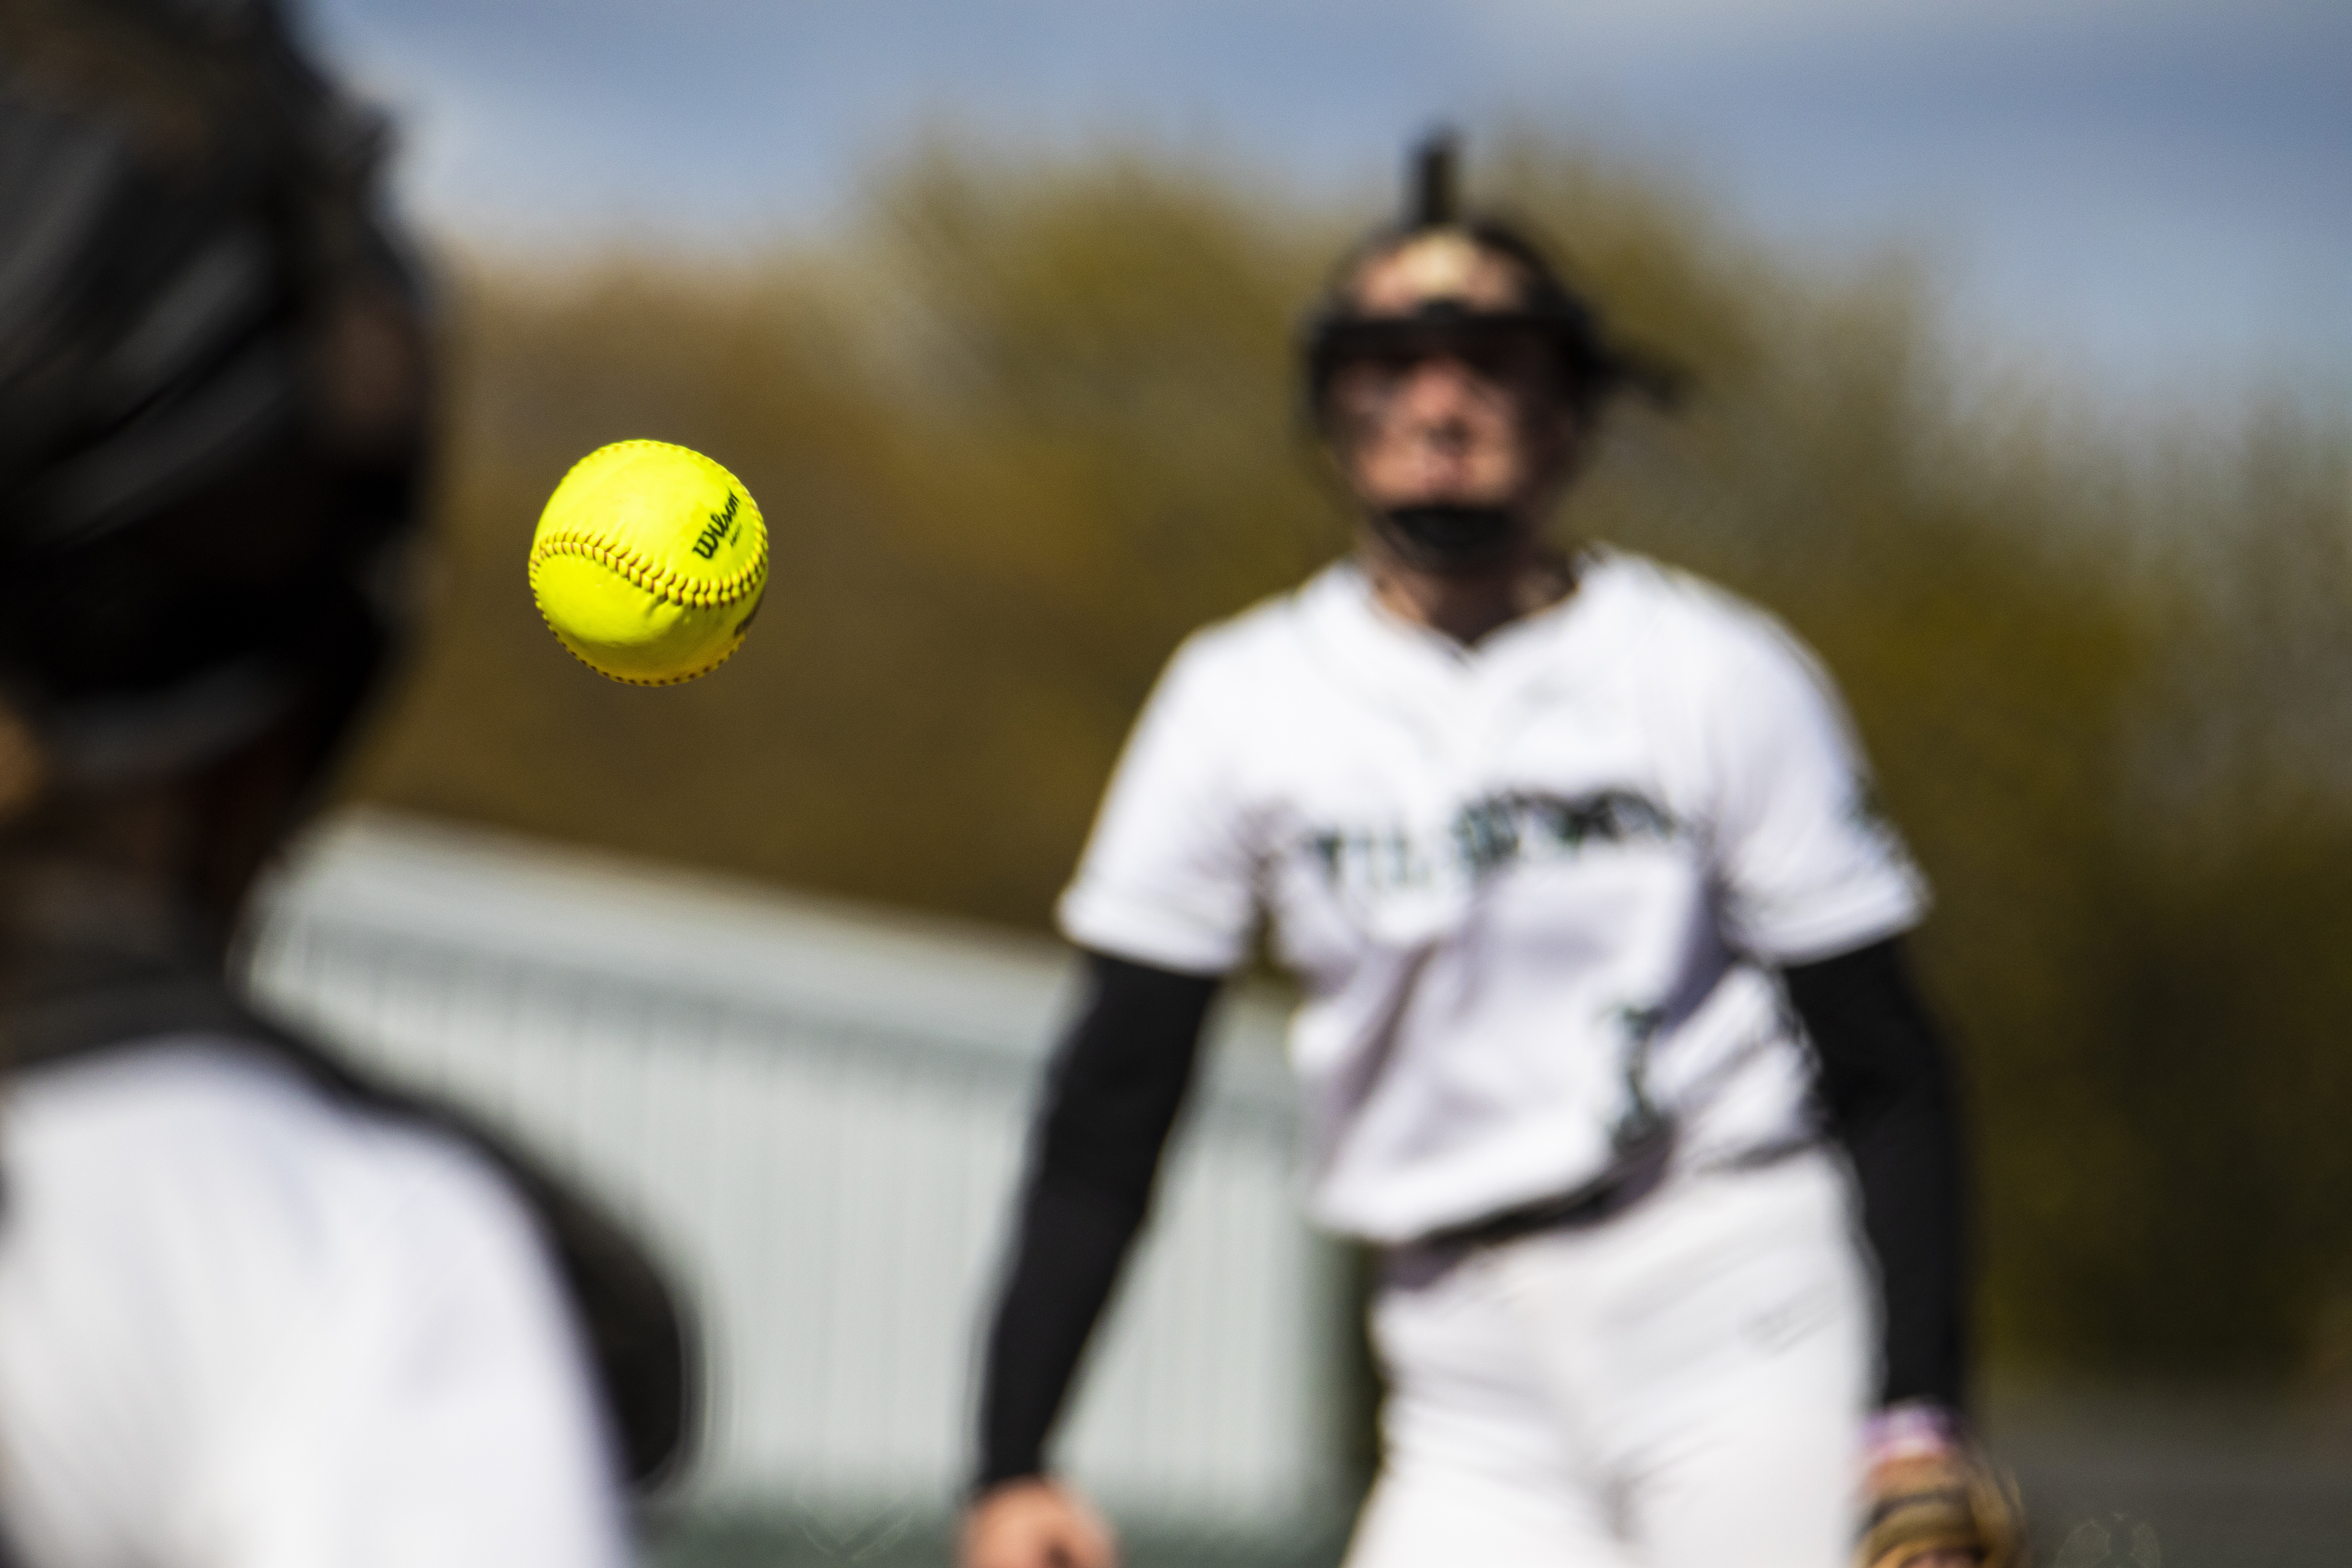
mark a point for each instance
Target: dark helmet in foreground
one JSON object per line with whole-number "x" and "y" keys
{"x": 211, "y": 385}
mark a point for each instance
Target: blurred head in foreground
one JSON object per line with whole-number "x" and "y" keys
{"x": 253, "y": 1306}
{"x": 212, "y": 418}
{"x": 1455, "y": 378}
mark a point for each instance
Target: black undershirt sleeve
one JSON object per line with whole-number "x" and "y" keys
{"x": 1112, "y": 1093}
{"x": 1886, "y": 1085}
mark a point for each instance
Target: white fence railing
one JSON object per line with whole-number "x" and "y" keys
{"x": 817, "y": 1115}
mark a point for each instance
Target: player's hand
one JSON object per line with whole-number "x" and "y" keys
{"x": 1934, "y": 1499}
{"x": 1034, "y": 1523}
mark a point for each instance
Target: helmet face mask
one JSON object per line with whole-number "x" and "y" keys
{"x": 1501, "y": 348}
{"x": 1448, "y": 425}
{"x": 1479, "y": 295}
{"x": 1348, "y": 329}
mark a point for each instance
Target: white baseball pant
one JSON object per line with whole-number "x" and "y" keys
{"x": 1682, "y": 1386}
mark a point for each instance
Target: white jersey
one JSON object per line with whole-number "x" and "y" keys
{"x": 1531, "y": 890}
{"x": 243, "y": 1326}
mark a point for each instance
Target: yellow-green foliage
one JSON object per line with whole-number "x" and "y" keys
{"x": 1026, "y": 425}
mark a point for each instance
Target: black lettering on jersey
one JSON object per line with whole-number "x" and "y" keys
{"x": 1489, "y": 835}
{"x": 1606, "y": 817}
{"x": 1378, "y": 860}
{"x": 719, "y": 529}
{"x": 1486, "y": 834}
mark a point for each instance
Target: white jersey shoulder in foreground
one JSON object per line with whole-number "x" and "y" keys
{"x": 1529, "y": 888}
{"x": 243, "y": 1326}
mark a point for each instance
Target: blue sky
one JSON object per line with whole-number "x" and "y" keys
{"x": 2155, "y": 196}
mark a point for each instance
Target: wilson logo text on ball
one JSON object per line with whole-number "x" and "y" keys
{"x": 626, "y": 564}
{"x": 718, "y": 531}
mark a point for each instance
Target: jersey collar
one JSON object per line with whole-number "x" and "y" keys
{"x": 1369, "y": 646}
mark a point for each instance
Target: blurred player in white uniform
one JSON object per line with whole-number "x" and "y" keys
{"x": 1607, "y": 1044}
{"x": 254, "y": 1311}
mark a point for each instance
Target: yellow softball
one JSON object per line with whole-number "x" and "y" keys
{"x": 649, "y": 562}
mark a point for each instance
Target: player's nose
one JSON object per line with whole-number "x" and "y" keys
{"x": 1438, "y": 391}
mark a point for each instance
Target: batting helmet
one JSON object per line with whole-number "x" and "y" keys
{"x": 212, "y": 390}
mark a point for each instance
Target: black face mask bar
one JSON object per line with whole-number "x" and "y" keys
{"x": 1488, "y": 341}
{"x": 1447, "y": 539}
